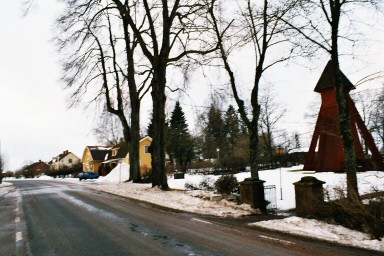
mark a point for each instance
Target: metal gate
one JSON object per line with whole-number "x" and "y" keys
{"x": 270, "y": 197}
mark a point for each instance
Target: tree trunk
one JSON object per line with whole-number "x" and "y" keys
{"x": 345, "y": 123}
{"x": 344, "y": 113}
{"x": 134, "y": 144}
{"x": 159, "y": 176}
{"x": 254, "y": 148}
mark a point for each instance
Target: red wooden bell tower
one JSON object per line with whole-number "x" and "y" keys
{"x": 330, "y": 154}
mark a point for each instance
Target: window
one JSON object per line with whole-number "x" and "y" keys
{"x": 114, "y": 151}
{"x": 70, "y": 160}
{"x": 146, "y": 149}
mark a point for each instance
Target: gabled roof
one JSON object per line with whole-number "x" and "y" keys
{"x": 64, "y": 154}
{"x": 327, "y": 79}
{"x": 99, "y": 153}
{"x": 121, "y": 152}
{"x": 123, "y": 149}
{"x": 60, "y": 156}
{"x": 146, "y": 137}
{"x": 32, "y": 166}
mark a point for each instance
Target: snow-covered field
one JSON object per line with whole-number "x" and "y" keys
{"x": 203, "y": 202}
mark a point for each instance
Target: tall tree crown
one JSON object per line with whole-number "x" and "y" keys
{"x": 178, "y": 121}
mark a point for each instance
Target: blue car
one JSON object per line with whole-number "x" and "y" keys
{"x": 87, "y": 175}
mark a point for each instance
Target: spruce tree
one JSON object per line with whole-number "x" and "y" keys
{"x": 231, "y": 129}
{"x": 214, "y": 132}
{"x": 150, "y": 129}
{"x": 180, "y": 146}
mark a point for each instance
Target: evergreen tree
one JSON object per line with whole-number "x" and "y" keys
{"x": 231, "y": 129}
{"x": 179, "y": 143}
{"x": 150, "y": 129}
{"x": 214, "y": 132}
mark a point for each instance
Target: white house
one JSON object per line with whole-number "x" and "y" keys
{"x": 65, "y": 160}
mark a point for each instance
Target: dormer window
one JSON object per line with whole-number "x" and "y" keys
{"x": 114, "y": 151}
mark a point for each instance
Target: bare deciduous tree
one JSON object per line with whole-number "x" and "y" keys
{"x": 259, "y": 25}
{"x": 271, "y": 114}
{"x": 99, "y": 58}
{"x": 108, "y": 130}
{"x": 366, "y": 105}
{"x": 321, "y": 23}
{"x": 174, "y": 30}
{"x": 377, "y": 117}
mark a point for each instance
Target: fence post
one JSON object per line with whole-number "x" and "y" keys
{"x": 309, "y": 195}
{"x": 252, "y": 192}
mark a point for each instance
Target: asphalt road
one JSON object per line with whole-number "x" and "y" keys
{"x": 58, "y": 218}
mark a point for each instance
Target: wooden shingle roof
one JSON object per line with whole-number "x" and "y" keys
{"x": 327, "y": 79}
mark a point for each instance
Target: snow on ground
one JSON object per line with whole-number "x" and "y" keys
{"x": 187, "y": 201}
{"x": 192, "y": 201}
{"x": 118, "y": 174}
{"x": 45, "y": 177}
{"x": 367, "y": 182}
{"x": 178, "y": 200}
{"x": 321, "y": 230}
{"x": 5, "y": 187}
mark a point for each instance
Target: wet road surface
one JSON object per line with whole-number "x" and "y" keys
{"x": 70, "y": 219}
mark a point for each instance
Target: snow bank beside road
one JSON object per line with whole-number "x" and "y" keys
{"x": 5, "y": 187}
{"x": 178, "y": 200}
{"x": 185, "y": 201}
{"x": 321, "y": 230}
{"x": 45, "y": 177}
{"x": 119, "y": 174}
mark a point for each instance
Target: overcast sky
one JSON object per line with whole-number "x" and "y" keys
{"x": 35, "y": 123}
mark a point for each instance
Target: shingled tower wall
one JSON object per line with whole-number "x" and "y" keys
{"x": 330, "y": 154}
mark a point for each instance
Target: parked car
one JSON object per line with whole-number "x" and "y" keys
{"x": 87, "y": 175}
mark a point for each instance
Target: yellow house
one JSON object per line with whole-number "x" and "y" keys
{"x": 145, "y": 156}
{"x": 93, "y": 157}
{"x": 119, "y": 152}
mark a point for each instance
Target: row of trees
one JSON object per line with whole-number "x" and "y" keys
{"x": 30, "y": 171}
{"x": 120, "y": 50}
{"x": 221, "y": 135}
